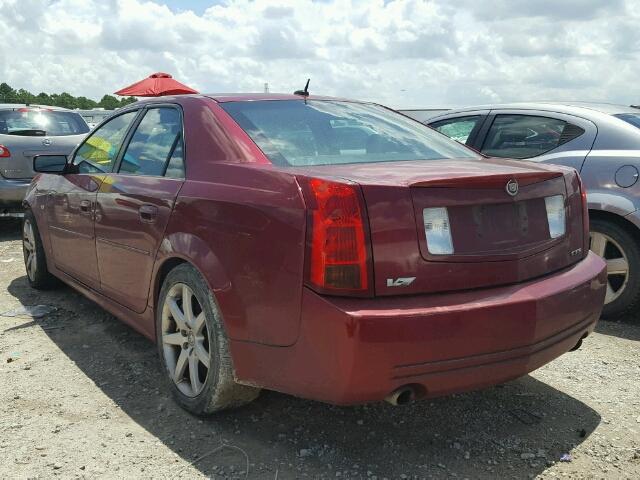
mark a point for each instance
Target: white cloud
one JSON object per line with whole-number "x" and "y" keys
{"x": 405, "y": 53}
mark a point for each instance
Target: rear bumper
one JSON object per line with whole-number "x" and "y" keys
{"x": 12, "y": 193}
{"x": 360, "y": 350}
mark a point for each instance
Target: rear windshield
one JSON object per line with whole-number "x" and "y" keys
{"x": 632, "y": 118}
{"x": 322, "y": 132}
{"x": 29, "y": 122}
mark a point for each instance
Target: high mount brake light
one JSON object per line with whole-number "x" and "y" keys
{"x": 33, "y": 109}
{"x": 337, "y": 245}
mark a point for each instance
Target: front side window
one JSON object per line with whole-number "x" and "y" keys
{"x": 30, "y": 122}
{"x": 527, "y": 136}
{"x": 457, "y": 128}
{"x": 298, "y": 133}
{"x": 98, "y": 153}
{"x": 153, "y": 142}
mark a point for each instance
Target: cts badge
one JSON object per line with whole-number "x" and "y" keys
{"x": 400, "y": 282}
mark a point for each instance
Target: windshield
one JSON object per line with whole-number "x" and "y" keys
{"x": 632, "y": 118}
{"x": 298, "y": 133}
{"x": 32, "y": 122}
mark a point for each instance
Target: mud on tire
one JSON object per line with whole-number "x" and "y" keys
{"x": 189, "y": 322}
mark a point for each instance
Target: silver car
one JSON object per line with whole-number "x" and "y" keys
{"x": 602, "y": 142}
{"x": 26, "y": 131}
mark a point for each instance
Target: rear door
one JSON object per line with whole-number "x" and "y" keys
{"x": 71, "y": 201}
{"x": 135, "y": 202}
{"x": 539, "y": 136}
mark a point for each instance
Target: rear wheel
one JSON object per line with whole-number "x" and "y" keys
{"x": 620, "y": 250}
{"x": 194, "y": 348}
{"x": 34, "y": 257}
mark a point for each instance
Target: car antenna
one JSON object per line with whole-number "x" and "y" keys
{"x": 305, "y": 92}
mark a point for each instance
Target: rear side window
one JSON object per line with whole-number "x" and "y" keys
{"x": 527, "y": 136}
{"x": 457, "y": 128}
{"x": 632, "y": 118}
{"x": 175, "y": 168}
{"x": 151, "y": 146}
{"x": 98, "y": 153}
{"x": 327, "y": 132}
{"x": 31, "y": 122}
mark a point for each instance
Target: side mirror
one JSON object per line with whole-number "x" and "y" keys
{"x": 49, "y": 163}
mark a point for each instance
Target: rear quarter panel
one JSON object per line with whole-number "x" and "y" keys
{"x": 609, "y": 169}
{"x": 244, "y": 229}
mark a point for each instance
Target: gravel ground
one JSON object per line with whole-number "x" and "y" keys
{"x": 81, "y": 397}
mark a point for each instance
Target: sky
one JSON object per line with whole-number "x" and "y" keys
{"x": 405, "y": 54}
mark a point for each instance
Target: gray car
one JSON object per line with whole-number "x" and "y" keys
{"x": 26, "y": 131}
{"x": 602, "y": 142}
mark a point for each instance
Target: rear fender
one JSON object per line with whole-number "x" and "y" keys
{"x": 610, "y": 202}
{"x": 186, "y": 247}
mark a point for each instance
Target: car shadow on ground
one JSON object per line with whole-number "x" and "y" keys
{"x": 514, "y": 430}
{"x": 9, "y": 229}
{"x": 628, "y": 328}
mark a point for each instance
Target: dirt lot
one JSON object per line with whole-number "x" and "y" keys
{"x": 81, "y": 397}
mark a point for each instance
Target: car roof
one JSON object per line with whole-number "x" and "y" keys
{"x": 14, "y": 106}
{"x": 577, "y": 108}
{"x": 244, "y": 97}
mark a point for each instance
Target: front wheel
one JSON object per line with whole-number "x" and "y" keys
{"x": 620, "y": 250}
{"x": 193, "y": 346}
{"x": 35, "y": 261}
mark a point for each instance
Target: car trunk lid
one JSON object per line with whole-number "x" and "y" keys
{"x": 19, "y": 165}
{"x": 498, "y": 238}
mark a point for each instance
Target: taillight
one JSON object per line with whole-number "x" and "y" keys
{"x": 4, "y": 152}
{"x": 585, "y": 214}
{"x": 338, "y": 258}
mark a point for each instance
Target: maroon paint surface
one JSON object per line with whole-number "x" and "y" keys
{"x": 468, "y": 320}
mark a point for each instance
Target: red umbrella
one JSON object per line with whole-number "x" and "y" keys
{"x": 155, "y": 85}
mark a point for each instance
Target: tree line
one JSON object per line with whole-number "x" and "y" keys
{"x": 64, "y": 99}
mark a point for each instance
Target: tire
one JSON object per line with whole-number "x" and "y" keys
{"x": 35, "y": 260}
{"x": 190, "y": 336}
{"x": 623, "y": 289}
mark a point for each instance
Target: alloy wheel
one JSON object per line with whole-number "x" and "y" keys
{"x": 30, "y": 253}
{"x": 617, "y": 263}
{"x": 185, "y": 340}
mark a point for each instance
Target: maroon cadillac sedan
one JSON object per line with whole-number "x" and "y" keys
{"x": 330, "y": 249}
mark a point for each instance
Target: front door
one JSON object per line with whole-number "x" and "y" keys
{"x": 134, "y": 205}
{"x": 71, "y": 203}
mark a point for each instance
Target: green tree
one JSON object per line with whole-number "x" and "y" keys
{"x": 7, "y": 94}
{"x": 109, "y": 102}
{"x": 43, "y": 99}
{"x": 24, "y": 96}
{"x": 85, "y": 103}
{"x": 64, "y": 99}
{"x": 127, "y": 100}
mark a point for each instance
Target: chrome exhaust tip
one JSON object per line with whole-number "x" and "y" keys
{"x": 401, "y": 396}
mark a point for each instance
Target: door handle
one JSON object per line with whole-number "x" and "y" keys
{"x": 148, "y": 213}
{"x": 85, "y": 206}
